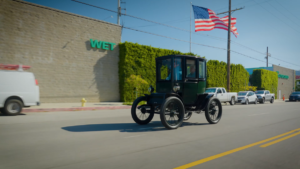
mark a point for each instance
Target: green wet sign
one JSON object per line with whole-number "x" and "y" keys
{"x": 102, "y": 44}
{"x": 282, "y": 76}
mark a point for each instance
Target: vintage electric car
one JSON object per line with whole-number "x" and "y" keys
{"x": 180, "y": 87}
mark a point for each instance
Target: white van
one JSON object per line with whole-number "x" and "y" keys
{"x": 18, "y": 89}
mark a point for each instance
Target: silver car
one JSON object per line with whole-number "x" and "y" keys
{"x": 246, "y": 97}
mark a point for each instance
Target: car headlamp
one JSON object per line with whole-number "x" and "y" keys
{"x": 151, "y": 89}
{"x": 176, "y": 88}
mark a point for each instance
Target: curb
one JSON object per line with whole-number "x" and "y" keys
{"x": 75, "y": 109}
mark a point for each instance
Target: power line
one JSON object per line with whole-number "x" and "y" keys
{"x": 287, "y": 9}
{"x": 214, "y": 37}
{"x": 194, "y": 43}
{"x": 282, "y": 13}
{"x": 277, "y": 17}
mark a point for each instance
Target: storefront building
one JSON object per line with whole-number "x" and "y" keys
{"x": 286, "y": 79}
{"x": 71, "y": 56}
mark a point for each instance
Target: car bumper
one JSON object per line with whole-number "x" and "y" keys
{"x": 241, "y": 101}
{"x": 294, "y": 99}
{"x": 260, "y": 99}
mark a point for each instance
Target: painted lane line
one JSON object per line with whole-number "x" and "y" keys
{"x": 279, "y": 140}
{"x": 134, "y": 136}
{"x": 192, "y": 164}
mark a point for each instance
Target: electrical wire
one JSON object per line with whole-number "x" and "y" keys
{"x": 214, "y": 37}
{"x": 195, "y": 43}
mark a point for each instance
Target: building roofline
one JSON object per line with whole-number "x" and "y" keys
{"x": 64, "y": 12}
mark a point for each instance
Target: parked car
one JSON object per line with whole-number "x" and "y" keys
{"x": 265, "y": 95}
{"x": 18, "y": 89}
{"x": 246, "y": 97}
{"x": 223, "y": 95}
{"x": 295, "y": 96}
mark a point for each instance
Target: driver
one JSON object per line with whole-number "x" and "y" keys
{"x": 177, "y": 71}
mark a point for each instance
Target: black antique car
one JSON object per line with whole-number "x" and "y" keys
{"x": 180, "y": 86}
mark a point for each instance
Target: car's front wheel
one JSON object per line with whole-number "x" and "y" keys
{"x": 246, "y": 102}
{"x": 272, "y": 100}
{"x": 141, "y": 115}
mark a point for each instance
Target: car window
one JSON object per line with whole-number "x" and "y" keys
{"x": 210, "y": 90}
{"x": 164, "y": 69}
{"x": 177, "y": 69}
{"x": 259, "y": 92}
{"x": 267, "y": 92}
{"x": 190, "y": 68}
{"x": 296, "y": 93}
{"x": 219, "y": 91}
{"x": 201, "y": 69}
{"x": 223, "y": 90}
{"x": 242, "y": 93}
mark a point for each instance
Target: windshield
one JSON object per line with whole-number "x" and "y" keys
{"x": 259, "y": 92}
{"x": 210, "y": 90}
{"x": 296, "y": 93}
{"x": 242, "y": 93}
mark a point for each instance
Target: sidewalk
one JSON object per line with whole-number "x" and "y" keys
{"x": 50, "y": 107}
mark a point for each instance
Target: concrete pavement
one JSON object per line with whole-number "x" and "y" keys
{"x": 87, "y": 139}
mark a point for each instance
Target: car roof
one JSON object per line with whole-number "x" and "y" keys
{"x": 186, "y": 56}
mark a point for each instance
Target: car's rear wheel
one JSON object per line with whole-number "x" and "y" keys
{"x": 213, "y": 111}
{"x": 272, "y": 100}
{"x": 172, "y": 113}
{"x": 13, "y": 107}
{"x": 141, "y": 115}
{"x": 232, "y": 102}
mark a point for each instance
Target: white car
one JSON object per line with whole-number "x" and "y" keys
{"x": 222, "y": 94}
{"x": 246, "y": 97}
{"x": 18, "y": 89}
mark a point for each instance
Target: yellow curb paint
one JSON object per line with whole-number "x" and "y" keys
{"x": 231, "y": 151}
{"x": 276, "y": 141}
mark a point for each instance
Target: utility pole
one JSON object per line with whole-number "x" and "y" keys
{"x": 267, "y": 57}
{"x": 119, "y": 11}
{"x": 191, "y": 29}
{"x": 228, "y": 48}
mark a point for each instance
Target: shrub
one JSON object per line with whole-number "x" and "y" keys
{"x": 217, "y": 76}
{"x": 265, "y": 80}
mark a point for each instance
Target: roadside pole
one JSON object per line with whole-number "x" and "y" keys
{"x": 228, "y": 48}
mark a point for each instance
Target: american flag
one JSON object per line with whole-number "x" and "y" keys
{"x": 207, "y": 20}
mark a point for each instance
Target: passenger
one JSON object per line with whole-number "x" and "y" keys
{"x": 192, "y": 71}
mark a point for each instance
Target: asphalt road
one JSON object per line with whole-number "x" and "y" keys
{"x": 248, "y": 136}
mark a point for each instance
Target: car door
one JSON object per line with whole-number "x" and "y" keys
{"x": 220, "y": 95}
{"x": 253, "y": 97}
{"x": 249, "y": 96}
{"x": 267, "y": 96}
{"x": 190, "y": 81}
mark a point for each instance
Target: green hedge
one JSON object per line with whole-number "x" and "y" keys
{"x": 265, "y": 80}
{"x": 138, "y": 59}
{"x": 217, "y": 76}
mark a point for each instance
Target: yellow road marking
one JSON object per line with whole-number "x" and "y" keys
{"x": 276, "y": 141}
{"x": 232, "y": 151}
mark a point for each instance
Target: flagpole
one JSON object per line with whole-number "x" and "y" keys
{"x": 228, "y": 48}
{"x": 191, "y": 28}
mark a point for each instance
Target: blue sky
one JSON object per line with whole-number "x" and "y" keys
{"x": 262, "y": 23}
